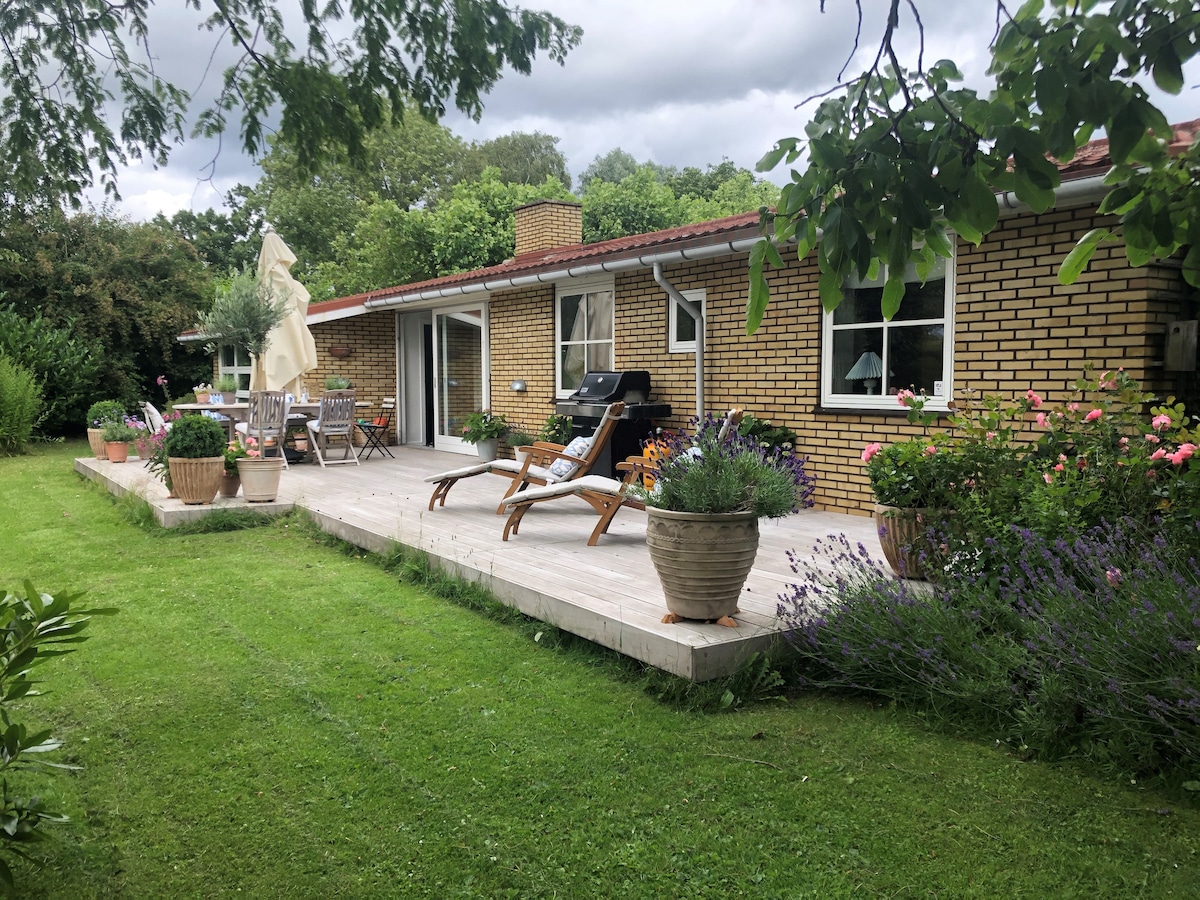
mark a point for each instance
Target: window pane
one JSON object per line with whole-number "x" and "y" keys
{"x": 923, "y": 301}
{"x": 599, "y": 357}
{"x": 858, "y": 353}
{"x": 685, "y": 326}
{"x": 915, "y": 357}
{"x": 227, "y": 356}
{"x": 572, "y": 367}
{"x": 571, "y": 323}
{"x": 600, "y": 316}
{"x": 861, "y": 302}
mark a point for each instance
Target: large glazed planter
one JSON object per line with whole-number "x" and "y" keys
{"x": 96, "y": 442}
{"x": 702, "y": 559}
{"x": 260, "y": 478}
{"x": 196, "y": 480}
{"x": 902, "y": 535}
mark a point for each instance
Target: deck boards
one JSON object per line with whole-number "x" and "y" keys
{"x": 609, "y": 593}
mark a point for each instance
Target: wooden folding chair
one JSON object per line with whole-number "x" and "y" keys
{"x": 335, "y": 419}
{"x": 266, "y": 417}
{"x": 375, "y": 433}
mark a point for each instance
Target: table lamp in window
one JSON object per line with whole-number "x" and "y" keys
{"x": 868, "y": 370}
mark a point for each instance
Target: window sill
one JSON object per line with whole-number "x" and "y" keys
{"x": 898, "y": 412}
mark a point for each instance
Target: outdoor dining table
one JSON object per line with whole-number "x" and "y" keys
{"x": 238, "y": 412}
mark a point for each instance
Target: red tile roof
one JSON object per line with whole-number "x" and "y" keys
{"x": 1091, "y": 159}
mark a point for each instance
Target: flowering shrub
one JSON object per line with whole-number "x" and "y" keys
{"x": 704, "y": 473}
{"x": 1088, "y": 642}
{"x": 1097, "y": 457}
{"x": 233, "y": 452}
{"x": 484, "y": 426}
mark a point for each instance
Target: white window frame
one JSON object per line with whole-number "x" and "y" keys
{"x": 574, "y": 289}
{"x": 696, "y": 296}
{"x": 238, "y": 369}
{"x": 887, "y": 401}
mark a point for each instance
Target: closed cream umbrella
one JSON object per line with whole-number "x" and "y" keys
{"x": 291, "y": 351}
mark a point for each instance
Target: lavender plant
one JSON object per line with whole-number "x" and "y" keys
{"x": 1089, "y": 643}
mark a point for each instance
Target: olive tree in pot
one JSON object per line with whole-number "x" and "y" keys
{"x": 244, "y": 314}
{"x": 195, "y": 449}
{"x": 710, "y": 490}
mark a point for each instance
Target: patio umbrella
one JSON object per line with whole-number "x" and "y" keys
{"x": 291, "y": 351}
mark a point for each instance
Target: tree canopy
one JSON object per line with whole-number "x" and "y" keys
{"x": 897, "y": 156}
{"x": 64, "y": 61}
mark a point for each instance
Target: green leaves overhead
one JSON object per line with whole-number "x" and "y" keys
{"x": 67, "y": 60}
{"x": 900, "y": 153}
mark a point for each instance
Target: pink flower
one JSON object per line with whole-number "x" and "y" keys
{"x": 1041, "y": 420}
{"x": 1113, "y": 576}
{"x": 930, "y": 450}
{"x": 1047, "y": 477}
{"x": 1160, "y": 422}
{"x": 1123, "y": 442}
{"x": 1058, "y": 467}
{"x": 870, "y": 450}
{"x": 1158, "y": 454}
{"x": 1033, "y": 398}
{"x": 1152, "y": 438}
{"x": 1184, "y": 452}
{"x": 1093, "y": 415}
{"x": 1073, "y": 407}
{"x": 991, "y": 435}
{"x": 1062, "y": 457}
{"x": 904, "y": 397}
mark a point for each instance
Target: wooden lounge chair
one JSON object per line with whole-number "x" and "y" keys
{"x": 607, "y": 496}
{"x": 545, "y": 463}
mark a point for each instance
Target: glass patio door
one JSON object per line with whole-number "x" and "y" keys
{"x": 460, "y": 361}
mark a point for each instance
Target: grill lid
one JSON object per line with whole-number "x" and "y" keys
{"x": 605, "y": 387}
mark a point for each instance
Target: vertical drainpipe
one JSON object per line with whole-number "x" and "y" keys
{"x": 696, "y": 313}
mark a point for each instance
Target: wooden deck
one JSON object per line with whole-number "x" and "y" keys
{"x": 608, "y": 594}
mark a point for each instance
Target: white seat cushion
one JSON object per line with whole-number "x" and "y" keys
{"x": 598, "y": 483}
{"x": 504, "y": 465}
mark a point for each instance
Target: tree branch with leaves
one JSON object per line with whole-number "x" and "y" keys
{"x": 896, "y": 159}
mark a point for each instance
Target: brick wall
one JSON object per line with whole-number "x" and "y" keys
{"x": 547, "y": 224}
{"x": 1016, "y": 327}
{"x": 371, "y": 366}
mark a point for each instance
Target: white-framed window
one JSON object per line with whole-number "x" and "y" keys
{"x": 865, "y": 361}
{"x": 232, "y": 360}
{"x": 583, "y": 332}
{"x": 682, "y": 335}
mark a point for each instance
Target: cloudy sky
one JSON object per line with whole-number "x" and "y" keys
{"x": 681, "y": 82}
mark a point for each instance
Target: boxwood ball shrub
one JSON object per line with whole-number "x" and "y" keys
{"x": 196, "y": 437}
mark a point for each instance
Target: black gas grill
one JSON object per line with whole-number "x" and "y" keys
{"x": 586, "y": 408}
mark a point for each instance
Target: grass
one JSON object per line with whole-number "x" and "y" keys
{"x": 270, "y": 715}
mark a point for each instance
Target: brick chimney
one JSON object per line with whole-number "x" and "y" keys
{"x": 548, "y": 225}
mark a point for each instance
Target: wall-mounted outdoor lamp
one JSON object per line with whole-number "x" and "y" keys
{"x": 518, "y": 384}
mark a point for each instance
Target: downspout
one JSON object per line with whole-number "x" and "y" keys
{"x": 697, "y": 313}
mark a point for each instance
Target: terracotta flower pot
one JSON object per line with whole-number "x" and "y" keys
{"x": 230, "y": 485}
{"x": 702, "y": 559}
{"x": 117, "y": 451}
{"x": 902, "y": 535}
{"x": 260, "y": 478}
{"x": 96, "y": 442}
{"x": 196, "y": 481}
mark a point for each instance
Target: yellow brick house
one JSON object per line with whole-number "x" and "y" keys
{"x": 518, "y": 337}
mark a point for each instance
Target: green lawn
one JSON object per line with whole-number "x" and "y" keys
{"x": 268, "y": 716}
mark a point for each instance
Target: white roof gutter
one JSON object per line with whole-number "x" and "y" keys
{"x": 617, "y": 265}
